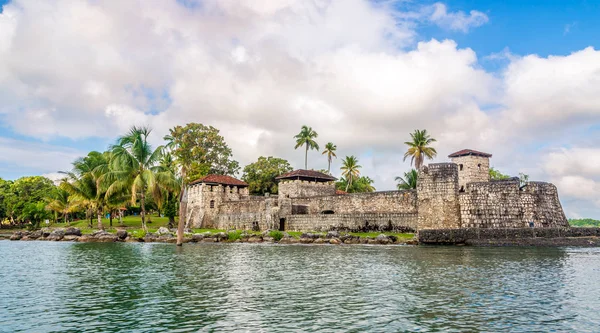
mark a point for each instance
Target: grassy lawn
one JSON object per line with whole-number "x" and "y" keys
{"x": 375, "y": 234}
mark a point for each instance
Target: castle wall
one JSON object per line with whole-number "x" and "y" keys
{"x": 302, "y": 188}
{"x": 474, "y": 169}
{"x": 259, "y": 213}
{"x": 398, "y": 222}
{"x": 503, "y": 204}
{"x": 437, "y": 203}
{"x": 360, "y": 203}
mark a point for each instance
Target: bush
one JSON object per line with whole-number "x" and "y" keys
{"x": 276, "y": 235}
{"x": 138, "y": 233}
{"x": 234, "y": 235}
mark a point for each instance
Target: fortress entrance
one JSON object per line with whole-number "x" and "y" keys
{"x": 282, "y": 224}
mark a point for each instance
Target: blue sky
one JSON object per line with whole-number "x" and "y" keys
{"x": 74, "y": 75}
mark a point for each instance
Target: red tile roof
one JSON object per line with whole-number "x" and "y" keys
{"x": 306, "y": 174}
{"x": 219, "y": 179}
{"x": 467, "y": 152}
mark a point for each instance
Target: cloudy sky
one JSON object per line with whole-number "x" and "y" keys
{"x": 518, "y": 79}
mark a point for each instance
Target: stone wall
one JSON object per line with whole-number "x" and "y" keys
{"x": 204, "y": 201}
{"x": 259, "y": 213}
{"x": 437, "y": 203}
{"x": 399, "y": 222}
{"x": 472, "y": 169}
{"x": 360, "y": 203}
{"x": 504, "y": 204}
{"x": 512, "y": 236}
{"x": 302, "y": 188}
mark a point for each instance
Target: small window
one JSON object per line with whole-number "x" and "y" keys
{"x": 479, "y": 167}
{"x": 212, "y": 204}
{"x": 211, "y": 188}
{"x": 462, "y": 189}
{"x": 460, "y": 167}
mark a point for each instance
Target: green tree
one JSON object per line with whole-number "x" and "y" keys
{"x": 197, "y": 150}
{"x": 61, "y": 202}
{"x": 330, "y": 149}
{"x": 306, "y": 137}
{"x": 497, "y": 175}
{"x": 261, "y": 174}
{"x": 350, "y": 170}
{"x": 409, "y": 181}
{"x": 85, "y": 183}
{"x": 135, "y": 166}
{"x": 419, "y": 148}
{"x": 34, "y": 213}
{"x": 22, "y": 192}
{"x": 360, "y": 185}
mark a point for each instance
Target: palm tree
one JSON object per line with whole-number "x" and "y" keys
{"x": 135, "y": 166}
{"x": 61, "y": 202}
{"x": 409, "y": 181}
{"x": 330, "y": 149}
{"x": 84, "y": 183}
{"x": 350, "y": 169}
{"x": 419, "y": 148}
{"x": 306, "y": 137}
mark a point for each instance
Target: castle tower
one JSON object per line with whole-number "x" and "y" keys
{"x": 206, "y": 194}
{"x": 473, "y": 166}
{"x": 305, "y": 183}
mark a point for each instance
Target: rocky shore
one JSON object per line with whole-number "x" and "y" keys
{"x": 164, "y": 235}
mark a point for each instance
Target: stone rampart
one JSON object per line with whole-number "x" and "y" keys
{"x": 505, "y": 204}
{"x": 398, "y": 222}
{"x": 303, "y": 188}
{"x": 512, "y": 236}
{"x": 359, "y": 203}
{"x": 259, "y": 213}
{"x": 437, "y": 190}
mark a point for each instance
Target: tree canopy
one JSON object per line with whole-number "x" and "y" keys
{"x": 419, "y": 148}
{"x": 261, "y": 174}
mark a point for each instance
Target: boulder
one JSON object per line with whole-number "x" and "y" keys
{"x": 255, "y": 239}
{"x": 36, "y": 234}
{"x": 17, "y": 235}
{"x": 383, "y": 239}
{"x": 306, "y": 240}
{"x": 163, "y": 231}
{"x": 221, "y": 236}
{"x": 352, "y": 240}
{"x": 209, "y": 240}
{"x": 56, "y": 235}
{"x": 197, "y": 237}
{"x": 289, "y": 240}
{"x": 86, "y": 238}
{"x": 46, "y": 232}
{"x": 333, "y": 234}
{"x": 70, "y": 231}
{"x": 335, "y": 241}
{"x": 70, "y": 238}
{"x": 268, "y": 239}
{"x": 107, "y": 238}
{"x": 122, "y": 234}
{"x": 320, "y": 241}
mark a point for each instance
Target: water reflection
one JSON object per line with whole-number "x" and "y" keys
{"x": 51, "y": 287}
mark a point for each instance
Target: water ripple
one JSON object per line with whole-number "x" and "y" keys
{"x": 71, "y": 287}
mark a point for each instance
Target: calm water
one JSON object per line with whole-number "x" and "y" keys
{"x": 71, "y": 287}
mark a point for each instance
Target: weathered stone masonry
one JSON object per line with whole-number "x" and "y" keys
{"x": 454, "y": 195}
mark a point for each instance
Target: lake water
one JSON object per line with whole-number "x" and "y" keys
{"x": 126, "y": 287}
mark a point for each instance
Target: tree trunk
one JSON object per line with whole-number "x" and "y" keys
{"x": 143, "y": 203}
{"x": 91, "y": 225}
{"x": 67, "y": 220}
{"x": 329, "y": 165}
{"x": 111, "y": 218}
{"x": 121, "y": 217}
{"x": 306, "y": 158}
{"x": 100, "y": 226}
{"x": 182, "y": 209}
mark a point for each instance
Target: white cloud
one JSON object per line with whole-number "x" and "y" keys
{"x": 459, "y": 21}
{"x": 258, "y": 70}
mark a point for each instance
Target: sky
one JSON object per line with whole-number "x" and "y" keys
{"x": 517, "y": 79}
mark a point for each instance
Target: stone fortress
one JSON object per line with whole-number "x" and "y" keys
{"x": 452, "y": 195}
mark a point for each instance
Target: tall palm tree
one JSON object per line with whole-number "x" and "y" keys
{"x": 330, "y": 149}
{"x": 135, "y": 166}
{"x": 84, "y": 183}
{"x": 306, "y": 137}
{"x": 419, "y": 148}
{"x": 350, "y": 169}
{"x": 409, "y": 181}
